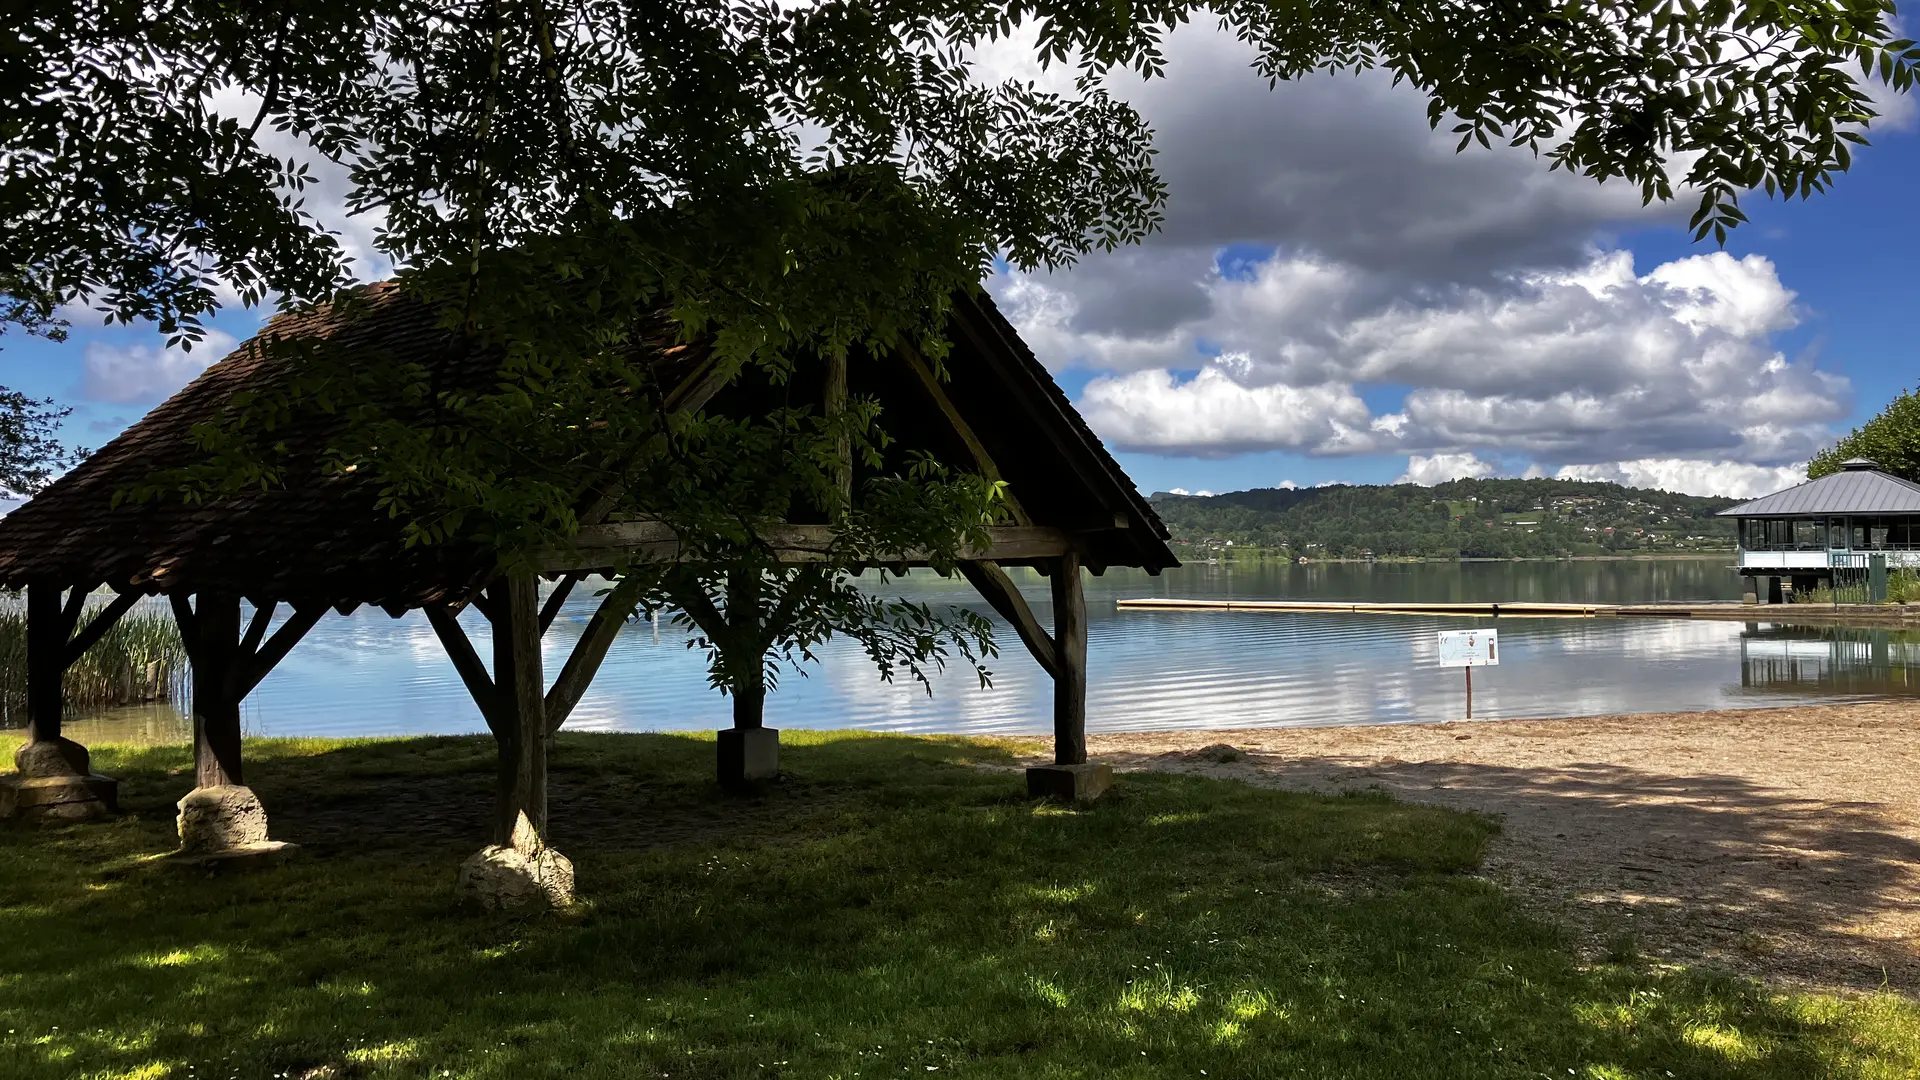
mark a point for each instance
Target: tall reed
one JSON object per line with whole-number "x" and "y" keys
{"x": 140, "y": 659}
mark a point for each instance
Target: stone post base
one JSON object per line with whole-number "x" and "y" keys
{"x": 59, "y": 798}
{"x": 56, "y": 782}
{"x": 518, "y": 876}
{"x": 226, "y": 825}
{"x": 1080, "y": 783}
{"x": 748, "y": 754}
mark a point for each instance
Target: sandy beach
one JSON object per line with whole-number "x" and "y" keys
{"x": 1781, "y": 843}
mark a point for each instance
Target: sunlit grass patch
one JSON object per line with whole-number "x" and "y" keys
{"x": 894, "y": 908}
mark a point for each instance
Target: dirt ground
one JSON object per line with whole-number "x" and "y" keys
{"x": 1782, "y": 843}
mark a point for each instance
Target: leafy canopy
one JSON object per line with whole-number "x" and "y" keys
{"x": 1892, "y": 438}
{"x": 795, "y": 184}
{"x": 664, "y": 150}
{"x": 30, "y": 452}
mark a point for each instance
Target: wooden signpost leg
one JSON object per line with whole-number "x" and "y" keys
{"x": 1469, "y": 670}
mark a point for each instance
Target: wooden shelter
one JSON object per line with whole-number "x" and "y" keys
{"x": 317, "y": 541}
{"x": 1851, "y": 524}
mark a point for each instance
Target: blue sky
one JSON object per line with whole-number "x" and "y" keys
{"x": 1339, "y": 297}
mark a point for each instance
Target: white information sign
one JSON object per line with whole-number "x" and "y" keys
{"x": 1469, "y": 648}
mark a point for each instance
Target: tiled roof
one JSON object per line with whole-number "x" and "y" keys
{"x": 1850, "y": 491}
{"x": 320, "y": 535}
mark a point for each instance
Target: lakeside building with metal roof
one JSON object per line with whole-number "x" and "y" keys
{"x": 1844, "y": 521}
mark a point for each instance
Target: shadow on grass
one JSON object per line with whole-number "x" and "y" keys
{"x": 892, "y": 908}
{"x": 1723, "y": 857}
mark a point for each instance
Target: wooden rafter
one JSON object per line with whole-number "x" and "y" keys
{"x": 977, "y": 449}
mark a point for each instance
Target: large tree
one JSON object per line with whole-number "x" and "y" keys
{"x": 797, "y": 188}
{"x": 793, "y": 185}
{"x": 1891, "y": 439}
{"x": 30, "y": 449}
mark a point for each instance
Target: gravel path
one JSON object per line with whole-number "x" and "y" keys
{"x": 1783, "y": 843}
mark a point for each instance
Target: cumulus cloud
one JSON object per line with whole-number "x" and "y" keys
{"x": 1440, "y": 468}
{"x": 143, "y": 374}
{"x": 1212, "y": 414}
{"x": 1324, "y": 248}
{"x": 1592, "y": 364}
{"x": 1732, "y": 479}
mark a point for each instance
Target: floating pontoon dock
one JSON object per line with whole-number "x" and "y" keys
{"x": 1536, "y": 610}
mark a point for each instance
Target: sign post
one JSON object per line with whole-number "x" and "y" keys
{"x": 1469, "y": 649}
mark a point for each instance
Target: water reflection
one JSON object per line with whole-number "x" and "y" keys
{"x": 1829, "y": 660}
{"x": 367, "y": 674}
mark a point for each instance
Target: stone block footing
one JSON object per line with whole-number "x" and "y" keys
{"x": 245, "y": 857}
{"x": 1080, "y": 783}
{"x": 501, "y": 878}
{"x": 52, "y": 757}
{"x": 91, "y": 797}
{"x": 519, "y": 875}
{"x": 749, "y": 754}
{"x": 226, "y": 826}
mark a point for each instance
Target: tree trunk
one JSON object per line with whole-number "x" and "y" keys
{"x": 522, "y": 741}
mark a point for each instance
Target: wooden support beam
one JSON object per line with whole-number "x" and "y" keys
{"x": 258, "y": 660}
{"x": 227, "y": 665}
{"x": 588, "y": 653}
{"x": 76, "y": 603}
{"x": 601, "y": 546}
{"x": 556, "y": 599}
{"x": 48, "y": 628}
{"x": 97, "y": 626}
{"x": 1070, "y": 650}
{"x": 212, "y": 624}
{"x": 453, "y": 638}
{"x": 524, "y": 737}
{"x": 698, "y": 388}
{"x": 257, "y": 626}
{"x": 833, "y": 403}
{"x": 998, "y": 589}
{"x": 930, "y": 381}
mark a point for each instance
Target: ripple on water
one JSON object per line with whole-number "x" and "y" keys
{"x": 367, "y": 674}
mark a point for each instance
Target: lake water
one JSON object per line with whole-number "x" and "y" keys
{"x": 368, "y": 674}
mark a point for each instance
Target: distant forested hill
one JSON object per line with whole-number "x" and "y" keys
{"x": 1463, "y": 518}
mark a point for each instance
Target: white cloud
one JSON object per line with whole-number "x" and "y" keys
{"x": 1213, "y": 414}
{"x": 1732, "y": 479}
{"x": 143, "y": 374}
{"x": 1594, "y": 363}
{"x": 1325, "y": 248}
{"x": 1440, "y": 468}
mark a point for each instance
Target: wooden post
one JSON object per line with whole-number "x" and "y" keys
{"x": 521, "y": 689}
{"x": 216, "y": 706}
{"x": 1070, "y": 659}
{"x": 46, "y": 661}
{"x": 833, "y": 404}
{"x": 53, "y": 777}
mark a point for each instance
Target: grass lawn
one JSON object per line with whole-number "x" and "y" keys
{"x": 891, "y": 910}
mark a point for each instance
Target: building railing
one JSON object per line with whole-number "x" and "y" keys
{"x": 1815, "y": 559}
